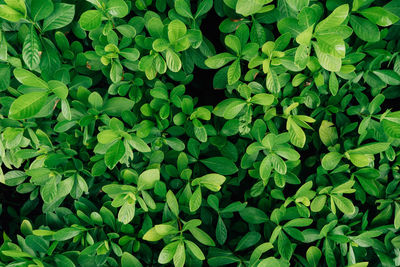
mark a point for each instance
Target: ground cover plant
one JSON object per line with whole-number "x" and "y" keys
{"x": 199, "y": 133}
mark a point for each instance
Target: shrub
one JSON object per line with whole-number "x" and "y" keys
{"x": 113, "y": 152}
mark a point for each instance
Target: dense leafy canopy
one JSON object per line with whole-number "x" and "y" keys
{"x": 108, "y": 159}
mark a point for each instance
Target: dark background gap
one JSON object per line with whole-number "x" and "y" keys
{"x": 202, "y": 84}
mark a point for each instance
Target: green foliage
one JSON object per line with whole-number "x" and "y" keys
{"x": 108, "y": 158}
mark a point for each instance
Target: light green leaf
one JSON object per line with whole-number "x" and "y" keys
{"x": 28, "y": 78}
{"x": 10, "y": 14}
{"x": 180, "y": 255}
{"x": 202, "y": 237}
{"x": 58, "y": 88}
{"x": 328, "y": 133}
{"x": 138, "y": 144}
{"x": 30, "y": 50}
{"x": 176, "y": 30}
{"x": 167, "y": 253}
{"x": 195, "y": 200}
{"x": 173, "y": 61}
{"x": 336, "y": 18}
{"x": 117, "y": 8}
{"x": 90, "y": 20}
{"x": 219, "y": 60}
{"x": 148, "y": 178}
{"x": 128, "y": 260}
{"x": 234, "y": 72}
{"x": 114, "y": 154}
{"x": 379, "y": 16}
{"x": 28, "y": 105}
{"x": 297, "y": 135}
{"x": 331, "y": 160}
{"x": 250, "y": 7}
{"x": 327, "y": 61}
{"x": 344, "y": 204}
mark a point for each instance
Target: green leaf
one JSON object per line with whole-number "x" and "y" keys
{"x": 333, "y": 84}
{"x": 318, "y": 203}
{"x": 167, "y": 253}
{"x": 202, "y": 237}
{"x": 128, "y": 260}
{"x": 114, "y": 154}
{"x": 397, "y": 216}
{"x": 249, "y": 7}
{"x": 391, "y": 124}
{"x": 148, "y": 178}
{"x": 229, "y": 108}
{"x": 58, "y": 88}
{"x": 66, "y": 234}
{"x": 328, "y": 133}
{"x": 219, "y": 60}
{"x": 327, "y": 61}
{"x": 30, "y": 50}
{"x": 364, "y": 29}
{"x": 361, "y": 160}
{"x": 262, "y": 99}
{"x": 248, "y": 240}
{"x": 212, "y": 181}
{"x": 15, "y": 253}
{"x": 331, "y": 160}
{"x": 61, "y": 16}
{"x": 371, "y": 148}
{"x": 253, "y": 215}
{"x": 28, "y": 105}
{"x": 388, "y": 76}
{"x": 278, "y": 163}
{"x": 203, "y": 8}
{"x": 220, "y": 165}
{"x": 183, "y": 8}
{"x": 180, "y": 255}
{"x": 138, "y": 144}
{"x": 297, "y": 135}
{"x": 115, "y": 106}
{"x": 126, "y": 213}
{"x": 233, "y": 42}
{"x": 313, "y": 256}
{"x": 176, "y": 30}
{"x": 172, "y": 203}
{"x": 41, "y": 9}
{"x": 107, "y": 136}
{"x": 117, "y": 8}
{"x": 234, "y": 72}
{"x": 14, "y": 178}
{"x": 336, "y": 18}
{"x": 116, "y": 72}
{"x": 344, "y": 204}
{"x": 284, "y": 246}
{"x": 221, "y": 232}
{"x": 195, "y": 200}
{"x": 195, "y": 250}
{"x": 173, "y": 61}
{"x": 10, "y": 14}
{"x": 28, "y": 78}
{"x": 379, "y": 16}
{"x": 37, "y": 243}
{"x": 272, "y": 82}
{"x": 90, "y": 20}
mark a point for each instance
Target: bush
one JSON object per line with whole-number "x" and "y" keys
{"x": 115, "y": 149}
